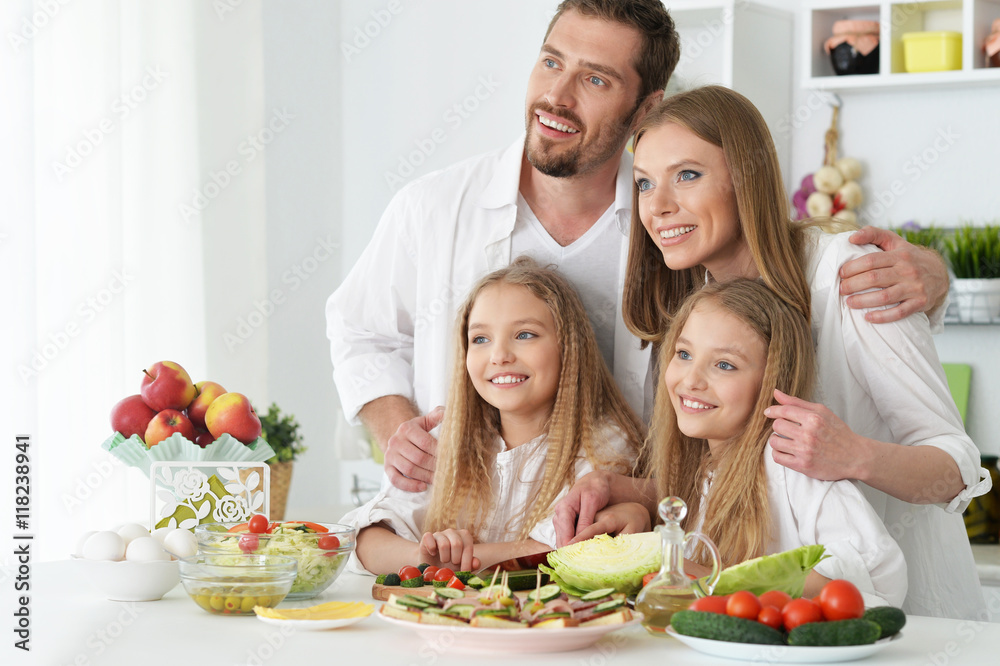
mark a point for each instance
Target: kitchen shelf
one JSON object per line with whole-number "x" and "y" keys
{"x": 971, "y": 18}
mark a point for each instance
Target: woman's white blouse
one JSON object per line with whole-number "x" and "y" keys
{"x": 886, "y": 382}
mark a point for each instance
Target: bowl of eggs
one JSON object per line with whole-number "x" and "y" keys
{"x": 132, "y": 564}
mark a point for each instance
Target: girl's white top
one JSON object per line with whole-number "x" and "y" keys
{"x": 516, "y": 475}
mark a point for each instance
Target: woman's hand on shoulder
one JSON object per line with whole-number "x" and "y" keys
{"x": 814, "y": 441}
{"x": 452, "y": 548}
{"x": 913, "y": 277}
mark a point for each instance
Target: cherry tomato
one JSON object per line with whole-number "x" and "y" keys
{"x": 648, "y": 577}
{"x": 775, "y": 598}
{"x": 429, "y": 573}
{"x": 800, "y": 611}
{"x": 710, "y": 605}
{"x": 455, "y": 583}
{"x": 408, "y": 572}
{"x": 770, "y": 616}
{"x": 258, "y": 523}
{"x": 328, "y": 542}
{"x": 841, "y": 600}
{"x": 249, "y": 542}
{"x": 443, "y": 575}
{"x": 743, "y": 604}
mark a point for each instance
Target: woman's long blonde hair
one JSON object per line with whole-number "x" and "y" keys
{"x": 736, "y": 518}
{"x": 586, "y": 402}
{"x": 653, "y": 292}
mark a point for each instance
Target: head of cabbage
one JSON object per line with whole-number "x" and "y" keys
{"x": 619, "y": 562}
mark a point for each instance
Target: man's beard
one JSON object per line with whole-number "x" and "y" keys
{"x": 583, "y": 158}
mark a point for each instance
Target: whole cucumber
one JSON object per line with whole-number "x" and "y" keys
{"x": 838, "y": 632}
{"x": 702, "y": 624}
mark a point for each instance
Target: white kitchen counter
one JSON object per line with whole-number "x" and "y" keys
{"x": 73, "y": 624}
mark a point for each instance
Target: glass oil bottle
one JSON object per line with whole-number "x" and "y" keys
{"x": 671, "y": 590}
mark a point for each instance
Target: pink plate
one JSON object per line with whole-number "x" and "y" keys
{"x": 494, "y": 641}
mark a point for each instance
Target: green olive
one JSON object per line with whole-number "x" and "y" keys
{"x": 217, "y": 602}
{"x": 248, "y": 604}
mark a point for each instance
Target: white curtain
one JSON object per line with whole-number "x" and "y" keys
{"x": 104, "y": 140}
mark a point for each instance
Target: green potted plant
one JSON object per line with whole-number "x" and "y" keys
{"x": 281, "y": 431}
{"x": 974, "y": 256}
{"x": 932, "y": 237}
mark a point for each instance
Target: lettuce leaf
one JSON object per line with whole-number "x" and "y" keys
{"x": 785, "y": 571}
{"x": 619, "y": 562}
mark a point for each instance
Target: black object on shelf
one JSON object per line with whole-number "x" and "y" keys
{"x": 848, "y": 60}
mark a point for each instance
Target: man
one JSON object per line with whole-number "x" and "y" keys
{"x": 561, "y": 194}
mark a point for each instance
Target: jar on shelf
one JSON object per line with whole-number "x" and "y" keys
{"x": 992, "y": 45}
{"x": 982, "y": 516}
{"x": 853, "y": 48}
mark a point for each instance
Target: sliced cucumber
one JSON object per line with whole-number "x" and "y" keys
{"x": 552, "y": 616}
{"x": 598, "y": 594}
{"x": 495, "y": 612}
{"x": 463, "y": 576}
{"x": 416, "y": 581}
{"x": 391, "y": 580}
{"x": 411, "y": 602}
{"x": 416, "y": 598}
{"x": 545, "y": 593}
{"x": 460, "y": 610}
{"x": 449, "y": 593}
{"x": 609, "y": 605}
{"x": 476, "y": 583}
{"x": 422, "y": 566}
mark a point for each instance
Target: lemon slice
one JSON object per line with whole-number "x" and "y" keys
{"x": 334, "y": 610}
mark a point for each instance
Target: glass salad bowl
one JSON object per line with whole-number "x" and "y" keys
{"x": 233, "y": 583}
{"x": 320, "y": 549}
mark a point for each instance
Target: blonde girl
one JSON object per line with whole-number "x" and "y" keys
{"x": 532, "y": 407}
{"x": 730, "y": 346}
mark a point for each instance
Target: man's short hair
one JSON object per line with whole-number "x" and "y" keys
{"x": 661, "y": 47}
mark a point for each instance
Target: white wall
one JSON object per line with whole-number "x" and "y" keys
{"x": 303, "y": 236}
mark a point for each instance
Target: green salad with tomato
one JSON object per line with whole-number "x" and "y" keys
{"x": 319, "y": 554}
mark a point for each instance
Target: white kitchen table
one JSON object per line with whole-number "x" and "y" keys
{"x": 72, "y": 624}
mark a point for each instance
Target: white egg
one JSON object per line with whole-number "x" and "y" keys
{"x": 78, "y": 549}
{"x": 130, "y": 531}
{"x": 145, "y": 549}
{"x": 181, "y": 543}
{"x": 160, "y": 533}
{"x": 104, "y": 545}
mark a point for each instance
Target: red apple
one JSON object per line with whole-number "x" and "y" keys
{"x": 166, "y": 385}
{"x": 207, "y": 392}
{"x": 232, "y": 413}
{"x": 166, "y": 423}
{"x": 131, "y": 416}
{"x": 203, "y": 437}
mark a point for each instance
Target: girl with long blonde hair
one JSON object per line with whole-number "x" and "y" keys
{"x": 532, "y": 407}
{"x": 730, "y": 347}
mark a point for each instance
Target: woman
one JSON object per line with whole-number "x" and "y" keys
{"x": 709, "y": 204}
